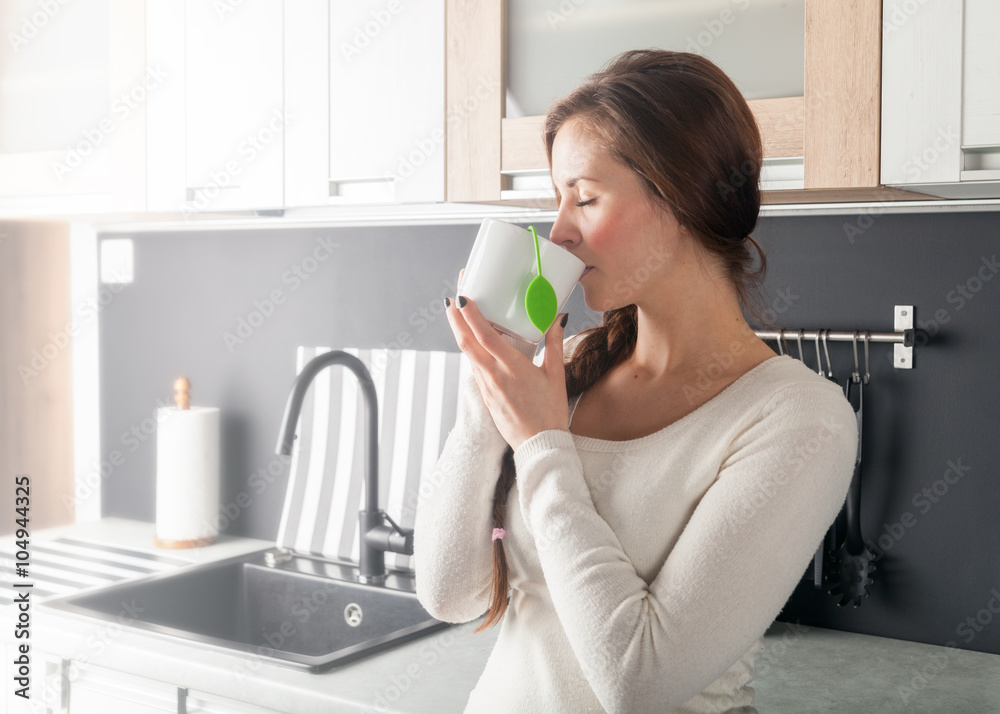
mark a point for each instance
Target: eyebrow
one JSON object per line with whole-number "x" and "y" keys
{"x": 573, "y": 181}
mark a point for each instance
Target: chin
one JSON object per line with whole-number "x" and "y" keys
{"x": 600, "y": 302}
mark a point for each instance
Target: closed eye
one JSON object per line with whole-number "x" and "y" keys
{"x": 581, "y": 204}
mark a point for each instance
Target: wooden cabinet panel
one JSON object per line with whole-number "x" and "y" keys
{"x": 474, "y": 98}
{"x": 842, "y": 94}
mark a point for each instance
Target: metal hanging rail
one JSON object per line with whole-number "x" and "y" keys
{"x": 904, "y": 337}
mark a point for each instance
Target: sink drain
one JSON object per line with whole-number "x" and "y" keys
{"x": 353, "y": 614}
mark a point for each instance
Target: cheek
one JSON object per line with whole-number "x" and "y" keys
{"x": 608, "y": 236}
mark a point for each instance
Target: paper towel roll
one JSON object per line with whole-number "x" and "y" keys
{"x": 187, "y": 477}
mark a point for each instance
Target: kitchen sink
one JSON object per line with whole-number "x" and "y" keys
{"x": 297, "y": 611}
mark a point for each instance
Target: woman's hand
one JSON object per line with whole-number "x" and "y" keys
{"x": 524, "y": 399}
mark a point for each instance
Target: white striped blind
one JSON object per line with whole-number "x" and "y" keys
{"x": 418, "y": 403}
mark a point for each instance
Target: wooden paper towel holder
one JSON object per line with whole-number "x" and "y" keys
{"x": 182, "y": 398}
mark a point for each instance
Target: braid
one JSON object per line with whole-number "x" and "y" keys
{"x": 499, "y": 584}
{"x": 600, "y": 349}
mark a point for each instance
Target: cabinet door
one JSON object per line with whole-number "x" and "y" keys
{"x": 48, "y": 689}
{"x": 367, "y": 80}
{"x": 981, "y": 91}
{"x": 941, "y": 97}
{"x": 103, "y": 691}
{"x": 217, "y": 136}
{"x": 72, "y": 106}
{"x": 921, "y": 92}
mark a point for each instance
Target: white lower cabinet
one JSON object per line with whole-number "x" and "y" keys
{"x": 96, "y": 690}
{"x": 68, "y": 688}
{"x": 58, "y": 686}
{"x": 48, "y": 693}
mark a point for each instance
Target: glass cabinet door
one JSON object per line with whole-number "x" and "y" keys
{"x": 551, "y": 48}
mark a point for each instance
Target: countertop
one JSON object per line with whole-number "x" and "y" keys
{"x": 802, "y": 668}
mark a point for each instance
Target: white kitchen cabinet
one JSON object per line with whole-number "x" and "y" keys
{"x": 216, "y": 133}
{"x": 364, "y": 90}
{"x": 73, "y": 90}
{"x": 48, "y": 688}
{"x": 941, "y": 97}
{"x": 97, "y": 690}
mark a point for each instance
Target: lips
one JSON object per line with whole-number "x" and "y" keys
{"x": 589, "y": 268}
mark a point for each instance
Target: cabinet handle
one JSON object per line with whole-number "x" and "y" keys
{"x": 371, "y": 188}
{"x": 193, "y": 193}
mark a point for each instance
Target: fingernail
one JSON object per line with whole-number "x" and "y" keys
{"x": 462, "y": 301}
{"x": 447, "y": 303}
{"x": 562, "y": 322}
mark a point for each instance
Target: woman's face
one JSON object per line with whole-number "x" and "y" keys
{"x": 607, "y": 220}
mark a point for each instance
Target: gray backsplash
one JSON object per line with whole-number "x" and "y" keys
{"x": 193, "y": 310}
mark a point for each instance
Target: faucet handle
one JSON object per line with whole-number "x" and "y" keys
{"x": 390, "y": 538}
{"x": 403, "y": 537}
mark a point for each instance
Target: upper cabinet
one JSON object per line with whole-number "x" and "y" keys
{"x": 296, "y": 104}
{"x": 941, "y": 97}
{"x": 809, "y": 69}
{"x": 190, "y": 106}
{"x": 73, "y": 91}
{"x": 364, "y": 93}
{"x": 216, "y": 130}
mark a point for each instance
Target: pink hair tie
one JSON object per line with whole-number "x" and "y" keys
{"x": 499, "y": 533}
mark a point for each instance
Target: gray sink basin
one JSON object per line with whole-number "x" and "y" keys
{"x": 305, "y": 613}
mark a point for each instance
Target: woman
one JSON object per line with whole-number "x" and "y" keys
{"x": 651, "y": 492}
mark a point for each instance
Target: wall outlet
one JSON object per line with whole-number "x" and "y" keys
{"x": 116, "y": 261}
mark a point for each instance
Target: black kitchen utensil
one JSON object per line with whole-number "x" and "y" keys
{"x": 830, "y": 541}
{"x": 853, "y": 562}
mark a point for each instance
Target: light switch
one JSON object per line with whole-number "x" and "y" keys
{"x": 116, "y": 260}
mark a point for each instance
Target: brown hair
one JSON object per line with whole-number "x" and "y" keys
{"x": 683, "y": 127}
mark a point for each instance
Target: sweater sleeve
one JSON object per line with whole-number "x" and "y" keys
{"x": 452, "y": 545}
{"x": 646, "y": 647}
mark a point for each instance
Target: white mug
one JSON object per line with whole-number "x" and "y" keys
{"x": 502, "y": 265}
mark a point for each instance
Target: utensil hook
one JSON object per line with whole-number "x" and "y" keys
{"x": 856, "y": 374}
{"x": 868, "y": 336}
{"x": 826, "y": 350}
{"x": 819, "y": 360}
{"x": 798, "y": 338}
{"x": 781, "y": 336}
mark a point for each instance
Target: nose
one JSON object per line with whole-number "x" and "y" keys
{"x": 564, "y": 231}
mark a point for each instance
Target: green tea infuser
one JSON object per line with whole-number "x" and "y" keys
{"x": 540, "y": 299}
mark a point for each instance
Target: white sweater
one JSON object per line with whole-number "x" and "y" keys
{"x": 643, "y": 573}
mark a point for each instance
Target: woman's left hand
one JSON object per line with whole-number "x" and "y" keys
{"x": 524, "y": 399}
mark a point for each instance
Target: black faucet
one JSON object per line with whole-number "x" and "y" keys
{"x": 376, "y": 536}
